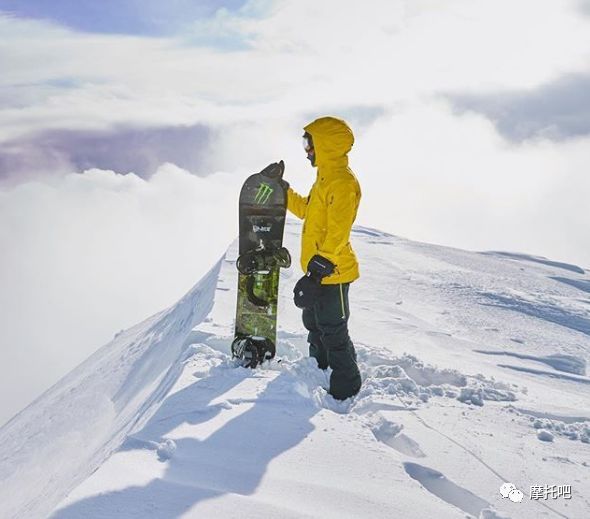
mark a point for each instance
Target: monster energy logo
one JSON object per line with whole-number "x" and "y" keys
{"x": 263, "y": 194}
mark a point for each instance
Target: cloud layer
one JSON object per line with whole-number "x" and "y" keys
{"x": 557, "y": 110}
{"x": 468, "y": 187}
{"x": 90, "y": 254}
{"x": 138, "y": 150}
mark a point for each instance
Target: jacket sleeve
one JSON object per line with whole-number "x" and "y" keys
{"x": 296, "y": 203}
{"x": 342, "y": 205}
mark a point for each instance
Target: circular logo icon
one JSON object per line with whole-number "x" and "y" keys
{"x": 506, "y": 488}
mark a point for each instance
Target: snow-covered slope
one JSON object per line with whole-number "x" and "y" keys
{"x": 474, "y": 368}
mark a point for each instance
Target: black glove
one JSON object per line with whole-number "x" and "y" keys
{"x": 274, "y": 170}
{"x": 307, "y": 289}
{"x": 306, "y": 292}
{"x": 320, "y": 267}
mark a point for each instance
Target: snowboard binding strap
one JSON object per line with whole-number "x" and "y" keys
{"x": 263, "y": 260}
{"x": 252, "y": 350}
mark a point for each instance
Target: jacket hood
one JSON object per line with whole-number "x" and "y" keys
{"x": 332, "y": 140}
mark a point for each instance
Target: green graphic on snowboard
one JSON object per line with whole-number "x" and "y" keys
{"x": 256, "y": 320}
{"x": 264, "y": 192}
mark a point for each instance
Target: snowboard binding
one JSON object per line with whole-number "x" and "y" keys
{"x": 252, "y": 350}
{"x": 263, "y": 260}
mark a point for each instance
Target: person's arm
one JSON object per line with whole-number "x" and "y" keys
{"x": 296, "y": 203}
{"x": 343, "y": 201}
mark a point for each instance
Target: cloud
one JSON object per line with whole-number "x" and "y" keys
{"x": 138, "y": 150}
{"x": 584, "y": 7}
{"x": 296, "y": 61}
{"x": 557, "y": 110}
{"x": 433, "y": 176}
{"x": 62, "y": 85}
{"x": 89, "y": 254}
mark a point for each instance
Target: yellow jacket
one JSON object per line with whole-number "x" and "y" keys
{"x": 331, "y": 206}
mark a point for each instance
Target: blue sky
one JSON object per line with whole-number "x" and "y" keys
{"x": 133, "y": 17}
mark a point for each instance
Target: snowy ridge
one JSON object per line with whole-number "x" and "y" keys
{"x": 474, "y": 375}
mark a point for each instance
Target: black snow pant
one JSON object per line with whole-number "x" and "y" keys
{"x": 329, "y": 342}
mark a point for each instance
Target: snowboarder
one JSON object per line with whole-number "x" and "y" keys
{"x": 327, "y": 258}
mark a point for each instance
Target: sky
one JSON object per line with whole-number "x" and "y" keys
{"x": 126, "y": 131}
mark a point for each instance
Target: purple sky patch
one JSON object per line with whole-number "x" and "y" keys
{"x": 137, "y": 17}
{"x": 124, "y": 150}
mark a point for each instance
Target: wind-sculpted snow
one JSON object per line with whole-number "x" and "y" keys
{"x": 567, "y": 363}
{"x": 572, "y": 427}
{"x": 543, "y": 261}
{"x": 549, "y": 311}
{"x": 452, "y": 406}
{"x": 580, "y": 284}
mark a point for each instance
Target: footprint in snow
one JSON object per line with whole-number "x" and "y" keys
{"x": 438, "y": 484}
{"x": 390, "y": 433}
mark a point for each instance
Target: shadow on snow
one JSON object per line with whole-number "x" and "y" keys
{"x": 232, "y": 459}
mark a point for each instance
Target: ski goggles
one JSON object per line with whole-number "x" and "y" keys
{"x": 307, "y": 142}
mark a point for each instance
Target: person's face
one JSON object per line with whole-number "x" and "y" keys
{"x": 308, "y": 147}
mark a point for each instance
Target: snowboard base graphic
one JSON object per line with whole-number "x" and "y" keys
{"x": 262, "y": 212}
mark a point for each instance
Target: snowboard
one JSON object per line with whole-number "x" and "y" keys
{"x": 262, "y": 212}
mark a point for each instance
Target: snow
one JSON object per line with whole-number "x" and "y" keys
{"x": 162, "y": 423}
{"x": 544, "y": 436}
